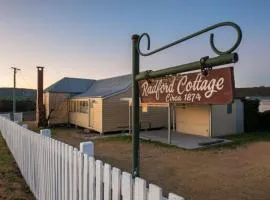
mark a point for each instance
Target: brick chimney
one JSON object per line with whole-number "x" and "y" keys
{"x": 40, "y": 110}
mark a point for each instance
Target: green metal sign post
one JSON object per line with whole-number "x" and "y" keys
{"x": 135, "y": 107}
{"x": 205, "y": 64}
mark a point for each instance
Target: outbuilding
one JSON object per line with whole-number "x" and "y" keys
{"x": 199, "y": 105}
{"x": 210, "y": 120}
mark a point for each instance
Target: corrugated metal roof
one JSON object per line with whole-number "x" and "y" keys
{"x": 107, "y": 87}
{"x": 70, "y": 85}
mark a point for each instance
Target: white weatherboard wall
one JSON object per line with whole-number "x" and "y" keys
{"x": 57, "y": 171}
{"x": 239, "y": 116}
{"x": 224, "y": 123}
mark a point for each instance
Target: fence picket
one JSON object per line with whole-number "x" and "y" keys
{"x": 70, "y": 155}
{"x": 140, "y": 189}
{"x": 59, "y": 190}
{"x": 107, "y": 181}
{"x": 53, "y": 171}
{"x": 66, "y": 165}
{"x": 80, "y": 177}
{"x": 92, "y": 172}
{"x": 126, "y": 186}
{"x": 75, "y": 174}
{"x": 63, "y": 169}
{"x": 154, "y": 193}
{"x": 99, "y": 180}
{"x": 85, "y": 176}
{"x": 116, "y": 182}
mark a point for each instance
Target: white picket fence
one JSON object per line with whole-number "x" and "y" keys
{"x": 57, "y": 171}
{"x": 18, "y": 117}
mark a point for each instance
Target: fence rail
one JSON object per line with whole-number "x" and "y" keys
{"x": 55, "y": 171}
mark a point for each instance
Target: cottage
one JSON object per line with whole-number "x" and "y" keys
{"x": 97, "y": 105}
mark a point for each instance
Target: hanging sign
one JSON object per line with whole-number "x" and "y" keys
{"x": 217, "y": 87}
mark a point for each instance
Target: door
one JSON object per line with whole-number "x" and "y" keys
{"x": 193, "y": 119}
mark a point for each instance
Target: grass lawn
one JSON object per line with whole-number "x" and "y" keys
{"x": 237, "y": 141}
{"x": 246, "y": 138}
{"x": 12, "y": 184}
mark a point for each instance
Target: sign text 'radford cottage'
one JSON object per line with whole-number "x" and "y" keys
{"x": 217, "y": 87}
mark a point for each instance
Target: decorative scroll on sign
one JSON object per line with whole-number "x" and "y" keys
{"x": 215, "y": 88}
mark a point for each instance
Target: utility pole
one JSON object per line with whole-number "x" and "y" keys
{"x": 14, "y": 90}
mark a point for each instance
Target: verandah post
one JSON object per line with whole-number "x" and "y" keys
{"x": 135, "y": 108}
{"x": 169, "y": 123}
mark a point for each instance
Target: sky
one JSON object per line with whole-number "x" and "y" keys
{"x": 92, "y": 39}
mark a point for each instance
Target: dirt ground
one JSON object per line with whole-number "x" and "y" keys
{"x": 12, "y": 184}
{"x": 234, "y": 174}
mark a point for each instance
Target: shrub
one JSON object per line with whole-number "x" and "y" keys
{"x": 251, "y": 115}
{"x": 264, "y": 120}
{"x": 21, "y": 105}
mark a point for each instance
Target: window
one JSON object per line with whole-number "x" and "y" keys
{"x": 229, "y": 108}
{"x": 77, "y": 106}
{"x": 70, "y": 106}
{"x": 73, "y": 106}
{"x": 84, "y": 106}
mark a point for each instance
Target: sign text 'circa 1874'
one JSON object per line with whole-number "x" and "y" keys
{"x": 217, "y": 87}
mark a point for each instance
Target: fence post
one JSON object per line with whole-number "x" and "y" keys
{"x": 46, "y": 132}
{"x": 87, "y": 148}
{"x": 25, "y": 126}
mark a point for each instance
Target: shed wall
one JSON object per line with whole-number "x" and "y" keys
{"x": 58, "y": 102}
{"x": 156, "y": 117}
{"x": 239, "y": 116}
{"x": 79, "y": 119}
{"x": 116, "y": 114}
{"x": 224, "y": 123}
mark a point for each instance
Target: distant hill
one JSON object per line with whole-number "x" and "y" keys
{"x": 21, "y": 94}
